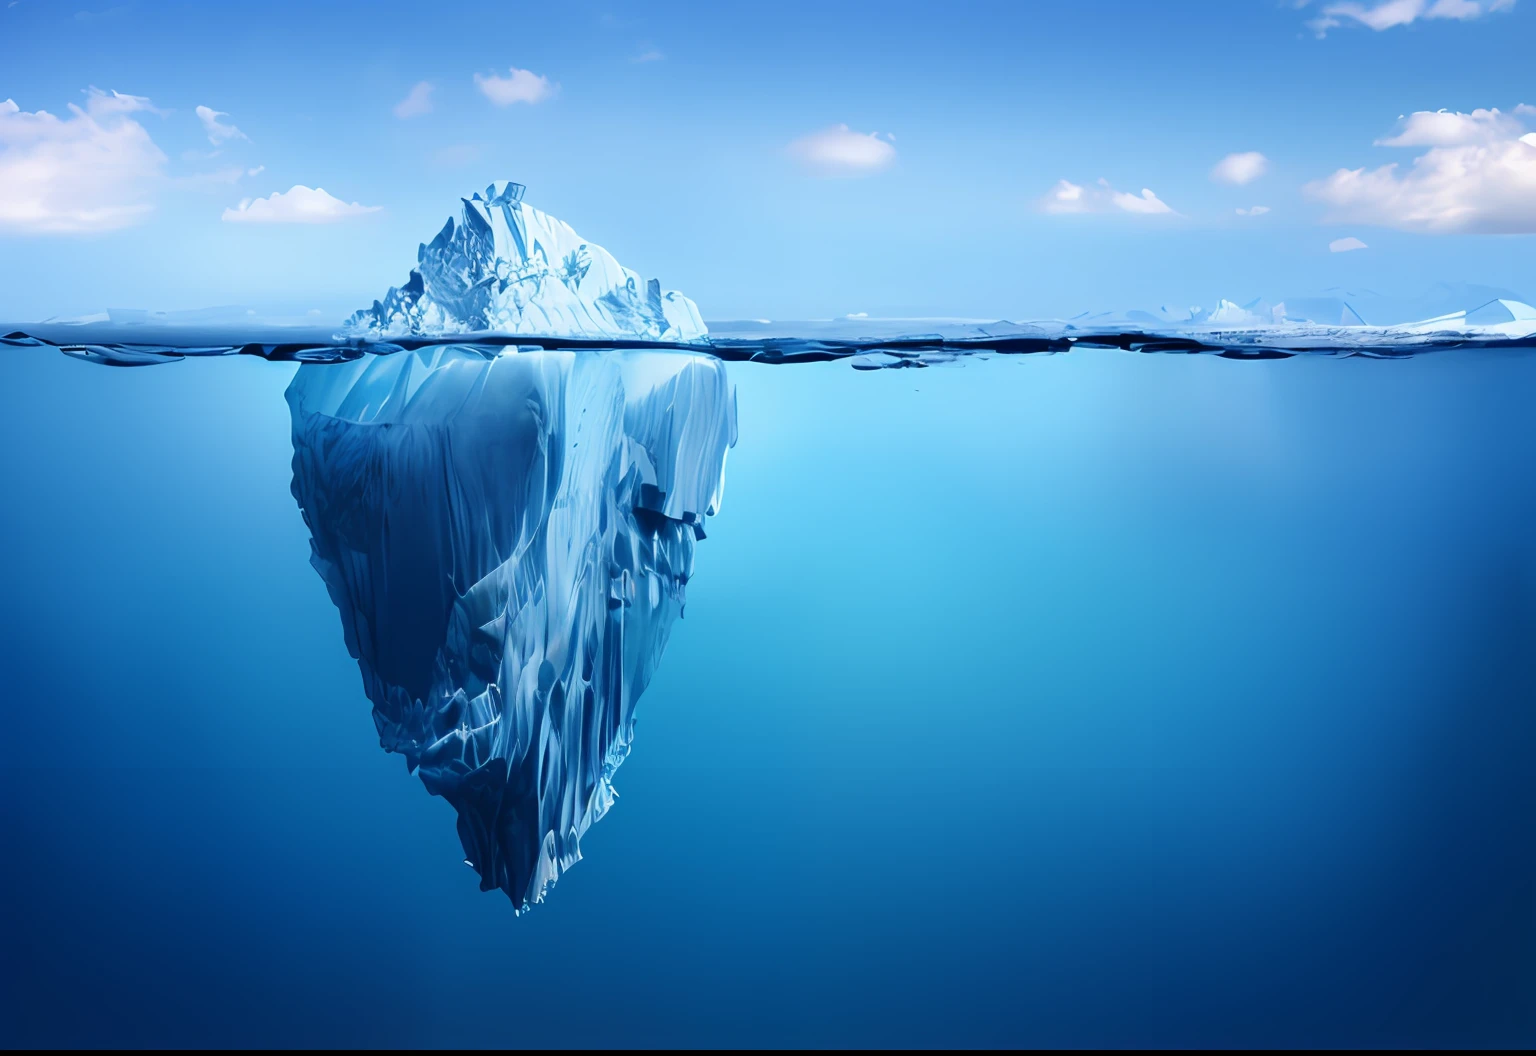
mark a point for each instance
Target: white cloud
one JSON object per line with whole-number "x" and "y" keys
{"x": 1346, "y": 245}
{"x": 1258, "y": 210}
{"x": 1240, "y": 168}
{"x": 648, "y": 55}
{"x": 92, "y": 171}
{"x": 520, "y": 86}
{"x": 1479, "y": 175}
{"x": 299, "y": 205}
{"x": 1447, "y": 128}
{"x": 1386, "y": 14}
{"x": 840, "y": 151}
{"x": 257, "y": 171}
{"x": 417, "y": 102}
{"x": 1068, "y": 197}
{"x": 218, "y": 132}
{"x": 1146, "y": 203}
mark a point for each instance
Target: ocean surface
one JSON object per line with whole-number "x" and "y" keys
{"x": 1090, "y": 699}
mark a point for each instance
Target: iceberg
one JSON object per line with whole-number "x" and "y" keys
{"x": 507, "y": 268}
{"x": 508, "y": 537}
{"x": 1501, "y": 316}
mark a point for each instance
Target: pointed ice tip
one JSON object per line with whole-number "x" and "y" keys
{"x": 503, "y": 192}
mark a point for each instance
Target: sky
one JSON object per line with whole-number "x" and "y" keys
{"x": 786, "y": 161}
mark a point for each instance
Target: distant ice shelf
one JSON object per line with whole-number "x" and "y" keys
{"x": 875, "y": 344}
{"x": 1230, "y": 331}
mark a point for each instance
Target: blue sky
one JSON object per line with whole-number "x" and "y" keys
{"x": 707, "y": 147}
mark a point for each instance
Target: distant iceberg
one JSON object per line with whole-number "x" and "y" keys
{"x": 509, "y": 537}
{"x": 507, "y": 268}
{"x": 1500, "y": 316}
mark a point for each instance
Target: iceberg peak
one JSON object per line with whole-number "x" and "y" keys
{"x": 506, "y": 267}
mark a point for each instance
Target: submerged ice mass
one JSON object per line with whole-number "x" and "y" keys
{"x": 509, "y": 538}
{"x": 508, "y": 268}
{"x": 509, "y": 534}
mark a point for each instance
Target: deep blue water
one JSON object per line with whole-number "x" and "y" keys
{"x": 1097, "y": 699}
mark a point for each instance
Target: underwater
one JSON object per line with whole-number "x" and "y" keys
{"x": 504, "y": 649}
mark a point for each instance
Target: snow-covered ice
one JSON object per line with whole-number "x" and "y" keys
{"x": 505, "y": 267}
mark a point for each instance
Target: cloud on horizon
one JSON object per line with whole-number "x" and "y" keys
{"x": 1068, "y": 198}
{"x": 1447, "y": 128}
{"x": 417, "y": 101}
{"x": 298, "y": 205}
{"x": 93, "y": 171}
{"x": 519, "y": 86}
{"x": 1238, "y": 169}
{"x": 1387, "y": 14}
{"x": 840, "y": 151}
{"x": 218, "y": 132}
{"x": 1477, "y": 177}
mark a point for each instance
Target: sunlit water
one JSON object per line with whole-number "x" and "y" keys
{"x": 1092, "y": 699}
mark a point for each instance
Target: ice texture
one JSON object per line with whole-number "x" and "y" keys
{"x": 507, "y": 268}
{"x": 508, "y": 537}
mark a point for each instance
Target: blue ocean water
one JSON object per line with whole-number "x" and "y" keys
{"x": 1090, "y": 699}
